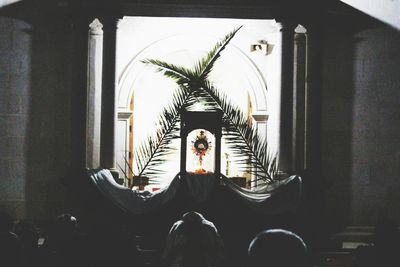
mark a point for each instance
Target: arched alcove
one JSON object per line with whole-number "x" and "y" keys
{"x": 239, "y": 75}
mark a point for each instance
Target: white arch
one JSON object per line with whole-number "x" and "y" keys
{"x": 179, "y": 43}
{"x": 133, "y": 75}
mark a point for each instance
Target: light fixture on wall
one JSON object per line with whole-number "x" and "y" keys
{"x": 262, "y": 46}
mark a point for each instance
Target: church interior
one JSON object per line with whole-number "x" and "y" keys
{"x": 88, "y": 88}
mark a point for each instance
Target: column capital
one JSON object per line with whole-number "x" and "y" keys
{"x": 95, "y": 27}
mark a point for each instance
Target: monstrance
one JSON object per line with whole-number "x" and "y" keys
{"x": 201, "y": 142}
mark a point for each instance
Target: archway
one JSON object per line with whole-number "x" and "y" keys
{"x": 235, "y": 73}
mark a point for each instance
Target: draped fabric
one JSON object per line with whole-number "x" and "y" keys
{"x": 128, "y": 199}
{"x": 200, "y": 186}
{"x": 277, "y": 197}
{"x": 274, "y": 198}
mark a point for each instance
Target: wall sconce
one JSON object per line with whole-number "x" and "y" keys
{"x": 263, "y": 46}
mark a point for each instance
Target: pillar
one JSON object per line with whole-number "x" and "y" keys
{"x": 313, "y": 92}
{"x": 79, "y": 28}
{"x": 299, "y": 102}
{"x": 94, "y": 95}
{"x": 108, "y": 96}
{"x": 285, "y": 128}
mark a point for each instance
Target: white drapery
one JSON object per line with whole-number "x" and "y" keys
{"x": 280, "y": 196}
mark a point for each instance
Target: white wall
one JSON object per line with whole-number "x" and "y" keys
{"x": 183, "y": 41}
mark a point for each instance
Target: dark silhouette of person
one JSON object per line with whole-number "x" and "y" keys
{"x": 277, "y": 248}
{"x": 193, "y": 241}
{"x": 29, "y": 237}
{"x": 385, "y": 250}
{"x": 63, "y": 246}
{"x": 10, "y": 245}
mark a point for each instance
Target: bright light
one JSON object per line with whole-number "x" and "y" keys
{"x": 184, "y": 41}
{"x": 4, "y": 3}
{"x": 387, "y": 11}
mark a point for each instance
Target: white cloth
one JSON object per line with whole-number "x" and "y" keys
{"x": 129, "y": 200}
{"x": 275, "y": 198}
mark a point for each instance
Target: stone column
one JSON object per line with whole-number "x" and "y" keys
{"x": 313, "y": 90}
{"x": 299, "y": 101}
{"x": 285, "y": 147}
{"x": 78, "y": 59}
{"x": 95, "y": 59}
{"x": 108, "y": 96}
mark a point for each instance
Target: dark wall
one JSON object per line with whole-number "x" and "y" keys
{"x": 39, "y": 81}
{"x": 361, "y": 124}
{"x": 15, "y": 95}
{"x": 42, "y": 107}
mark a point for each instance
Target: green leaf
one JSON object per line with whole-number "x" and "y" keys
{"x": 250, "y": 150}
{"x": 157, "y": 149}
{"x": 205, "y": 65}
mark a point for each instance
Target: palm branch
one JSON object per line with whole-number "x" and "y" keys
{"x": 156, "y": 149}
{"x": 251, "y": 151}
{"x": 205, "y": 65}
{"x": 181, "y": 75}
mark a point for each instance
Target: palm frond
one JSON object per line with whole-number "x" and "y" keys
{"x": 243, "y": 139}
{"x": 252, "y": 152}
{"x": 205, "y": 65}
{"x": 157, "y": 148}
{"x": 181, "y": 75}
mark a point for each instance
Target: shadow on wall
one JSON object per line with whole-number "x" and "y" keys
{"x": 337, "y": 122}
{"x": 360, "y": 141}
{"x": 376, "y": 115}
{"x": 53, "y": 106}
{"x": 58, "y": 108}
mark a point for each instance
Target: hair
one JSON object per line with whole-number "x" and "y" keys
{"x": 277, "y": 248}
{"x": 193, "y": 254}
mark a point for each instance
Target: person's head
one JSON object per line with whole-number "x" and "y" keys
{"x": 6, "y": 222}
{"x": 28, "y": 233}
{"x": 197, "y": 241}
{"x": 277, "y": 248}
{"x": 192, "y": 216}
{"x": 65, "y": 225}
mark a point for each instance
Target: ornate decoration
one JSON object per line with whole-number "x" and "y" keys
{"x": 201, "y": 146}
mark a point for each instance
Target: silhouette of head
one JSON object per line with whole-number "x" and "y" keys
{"x": 277, "y": 248}
{"x": 65, "y": 226}
{"x": 27, "y": 232}
{"x": 6, "y": 222}
{"x": 193, "y": 241}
